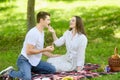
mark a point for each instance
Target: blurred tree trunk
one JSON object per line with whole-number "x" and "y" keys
{"x": 30, "y": 14}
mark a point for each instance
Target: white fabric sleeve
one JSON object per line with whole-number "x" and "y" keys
{"x": 81, "y": 52}
{"x": 31, "y": 39}
{"x": 61, "y": 40}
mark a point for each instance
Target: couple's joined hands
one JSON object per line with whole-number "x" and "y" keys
{"x": 50, "y": 48}
{"x": 48, "y": 51}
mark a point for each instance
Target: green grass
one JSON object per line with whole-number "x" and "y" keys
{"x": 101, "y": 20}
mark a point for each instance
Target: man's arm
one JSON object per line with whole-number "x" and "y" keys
{"x": 30, "y": 49}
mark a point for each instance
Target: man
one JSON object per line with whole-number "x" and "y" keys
{"x": 30, "y": 58}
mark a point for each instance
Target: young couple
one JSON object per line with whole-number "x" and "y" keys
{"x": 29, "y": 59}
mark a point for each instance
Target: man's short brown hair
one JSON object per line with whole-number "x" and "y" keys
{"x": 42, "y": 15}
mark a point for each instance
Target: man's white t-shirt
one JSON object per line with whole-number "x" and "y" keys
{"x": 36, "y": 38}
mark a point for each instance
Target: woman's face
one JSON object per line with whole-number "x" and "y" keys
{"x": 73, "y": 22}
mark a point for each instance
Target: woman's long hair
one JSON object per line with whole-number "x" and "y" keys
{"x": 79, "y": 25}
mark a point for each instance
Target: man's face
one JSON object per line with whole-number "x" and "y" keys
{"x": 46, "y": 22}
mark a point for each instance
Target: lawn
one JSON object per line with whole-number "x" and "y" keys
{"x": 101, "y": 20}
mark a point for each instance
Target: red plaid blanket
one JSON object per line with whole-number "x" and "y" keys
{"x": 89, "y": 71}
{"x": 60, "y": 76}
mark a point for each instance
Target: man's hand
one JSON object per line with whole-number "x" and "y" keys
{"x": 49, "y": 48}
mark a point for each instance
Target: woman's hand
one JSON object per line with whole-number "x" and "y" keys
{"x": 56, "y": 55}
{"x": 53, "y": 32}
{"x": 51, "y": 29}
{"x": 79, "y": 68}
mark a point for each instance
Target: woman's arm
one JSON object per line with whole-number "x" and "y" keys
{"x": 48, "y": 54}
{"x": 81, "y": 53}
{"x": 53, "y": 33}
{"x": 54, "y": 36}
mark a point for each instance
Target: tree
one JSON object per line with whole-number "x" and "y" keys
{"x": 30, "y": 14}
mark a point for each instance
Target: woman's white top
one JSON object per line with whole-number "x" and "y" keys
{"x": 75, "y": 55}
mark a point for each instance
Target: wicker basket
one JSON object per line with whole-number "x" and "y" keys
{"x": 114, "y": 61}
{"x": 114, "y": 64}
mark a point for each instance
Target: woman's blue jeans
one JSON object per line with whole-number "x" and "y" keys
{"x": 25, "y": 69}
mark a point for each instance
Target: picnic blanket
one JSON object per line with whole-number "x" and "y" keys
{"x": 89, "y": 71}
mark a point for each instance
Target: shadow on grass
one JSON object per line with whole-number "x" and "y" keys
{"x": 13, "y": 29}
{"x": 3, "y": 1}
{"x": 5, "y": 8}
{"x": 8, "y": 5}
{"x": 102, "y": 22}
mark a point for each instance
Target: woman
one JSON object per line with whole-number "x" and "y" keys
{"x": 75, "y": 40}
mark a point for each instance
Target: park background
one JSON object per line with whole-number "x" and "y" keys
{"x": 101, "y": 20}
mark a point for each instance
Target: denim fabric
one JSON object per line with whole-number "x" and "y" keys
{"x": 25, "y": 69}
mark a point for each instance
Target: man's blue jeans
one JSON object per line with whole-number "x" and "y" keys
{"x": 25, "y": 69}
